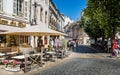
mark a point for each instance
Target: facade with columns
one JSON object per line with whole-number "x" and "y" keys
{"x": 18, "y": 14}
{"x": 40, "y": 16}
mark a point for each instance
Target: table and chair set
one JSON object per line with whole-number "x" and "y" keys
{"x": 29, "y": 58}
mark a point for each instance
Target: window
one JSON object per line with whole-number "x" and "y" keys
{"x": 46, "y": 17}
{"x": 41, "y": 14}
{"x": 26, "y": 9}
{"x": 46, "y": 1}
{"x": 1, "y": 5}
{"x": 17, "y": 7}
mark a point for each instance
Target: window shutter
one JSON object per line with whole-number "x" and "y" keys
{"x": 26, "y": 9}
{"x": 1, "y": 5}
{"x": 15, "y": 7}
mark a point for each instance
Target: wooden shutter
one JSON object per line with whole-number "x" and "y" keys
{"x": 25, "y": 9}
{"x": 1, "y": 5}
{"x": 15, "y": 7}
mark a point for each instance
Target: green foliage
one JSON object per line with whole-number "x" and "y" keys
{"x": 91, "y": 27}
{"x": 101, "y": 18}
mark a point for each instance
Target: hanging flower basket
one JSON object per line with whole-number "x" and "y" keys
{"x": 12, "y": 65}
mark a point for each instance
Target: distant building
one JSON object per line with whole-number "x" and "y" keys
{"x": 56, "y": 20}
{"x": 68, "y": 21}
{"x": 81, "y": 35}
{"x": 76, "y": 32}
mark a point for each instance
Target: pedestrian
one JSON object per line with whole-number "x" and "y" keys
{"x": 51, "y": 43}
{"x": 40, "y": 44}
{"x": 115, "y": 51}
{"x": 68, "y": 44}
{"x": 72, "y": 45}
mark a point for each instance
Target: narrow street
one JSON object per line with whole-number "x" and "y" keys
{"x": 85, "y": 61}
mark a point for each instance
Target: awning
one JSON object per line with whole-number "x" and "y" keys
{"x": 36, "y": 30}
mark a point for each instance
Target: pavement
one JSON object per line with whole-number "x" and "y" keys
{"x": 83, "y": 64}
{"x": 85, "y": 61}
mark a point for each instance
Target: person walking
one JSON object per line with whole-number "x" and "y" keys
{"x": 115, "y": 51}
{"x": 51, "y": 43}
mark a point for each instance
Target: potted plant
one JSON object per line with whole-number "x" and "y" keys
{"x": 12, "y": 65}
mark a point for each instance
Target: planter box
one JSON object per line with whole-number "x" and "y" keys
{"x": 12, "y": 68}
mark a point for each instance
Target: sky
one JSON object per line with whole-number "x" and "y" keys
{"x": 71, "y": 8}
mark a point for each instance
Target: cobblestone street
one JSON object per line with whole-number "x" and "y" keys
{"x": 85, "y": 61}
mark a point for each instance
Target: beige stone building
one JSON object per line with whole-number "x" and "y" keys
{"x": 14, "y": 14}
{"x": 18, "y": 14}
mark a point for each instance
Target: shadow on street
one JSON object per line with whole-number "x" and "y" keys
{"x": 86, "y": 49}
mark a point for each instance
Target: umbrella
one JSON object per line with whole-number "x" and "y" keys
{"x": 36, "y": 30}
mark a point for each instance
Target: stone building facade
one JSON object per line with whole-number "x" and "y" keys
{"x": 18, "y": 14}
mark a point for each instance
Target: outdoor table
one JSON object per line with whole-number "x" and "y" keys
{"x": 22, "y": 57}
{"x": 2, "y": 54}
{"x": 52, "y": 53}
{"x": 10, "y": 53}
{"x": 2, "y": 58}
{"x": 26, "y": 56}
{"x": 19, "y": 57}
{"x": 60, "y": 53}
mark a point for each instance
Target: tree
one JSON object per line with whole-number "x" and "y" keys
{"x": 107, "y": 15}
{"x": 91, "y": 27}
{"x": 101, "y": 18}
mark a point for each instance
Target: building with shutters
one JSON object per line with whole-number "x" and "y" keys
{"x": 14, "y": 15}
